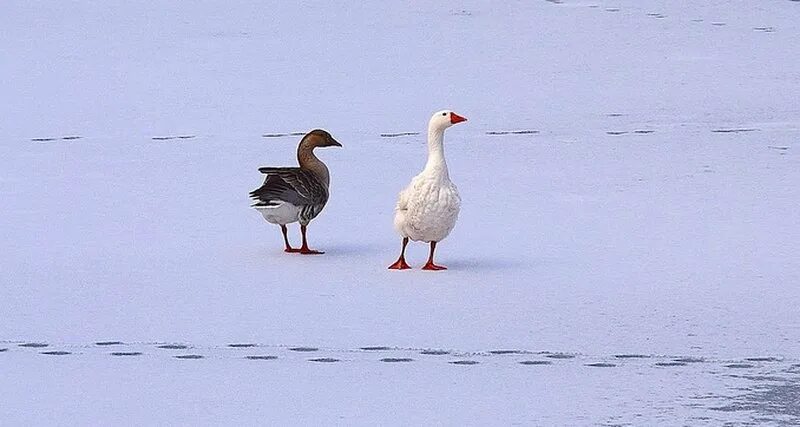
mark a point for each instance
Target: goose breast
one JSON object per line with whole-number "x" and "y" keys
{"x": 427, "y": 209}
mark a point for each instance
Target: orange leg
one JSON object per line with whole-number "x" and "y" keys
{"x": 400, "y": 264}
{"x": 430, "y": 265}
{"x": 289, "y": 247}
{"x": 304, "y": 250}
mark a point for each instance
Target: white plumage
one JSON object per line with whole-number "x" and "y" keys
{"x": 428, "y": 208}
{"x": 281, "y": 213}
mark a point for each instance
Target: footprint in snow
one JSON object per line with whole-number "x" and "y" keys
{"x": 189, "y": 356}
{"x": 434, "y": 352}
{"x": 762, "y": 359}
{"x": 689, "y": 359}
{"x": 560, "y": 356}
{"x": 506, "y": 352}
{"x": 398, "y": 134}
{"x": 463, "y": 362}
{"x": 173, "y": 346}
{"x": 324, "y": 360}
{"x": 397, "y": 359}
{"x": 34, "y": 345}
{"x": 167, "y": 138}
{"x": 739, "y": 366}
{"x": 734, "y": 130}
{"x": 601, "y": 365}
{"x": 535, "y": 362}
{"x": 513, "y": 132}
{"x": 259, "y": 357}
{"x": 63, "y": 138}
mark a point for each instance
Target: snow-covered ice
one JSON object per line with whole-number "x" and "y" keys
{"x": 630, "y": 213}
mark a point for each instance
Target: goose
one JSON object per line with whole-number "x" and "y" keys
{"x": 427, "y": 209}
{"x": 296, "y": 194}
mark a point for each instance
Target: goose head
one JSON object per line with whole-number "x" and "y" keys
{"x": 319, "y": 138}
{"x": 444, "y": 119}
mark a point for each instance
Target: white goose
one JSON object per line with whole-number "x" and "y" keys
{"x": 427, "y": 209}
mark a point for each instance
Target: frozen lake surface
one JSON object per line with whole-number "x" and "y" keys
{"x": 626, "y": 253}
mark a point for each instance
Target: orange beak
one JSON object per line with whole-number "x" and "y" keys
{"x": 455, "y": 118}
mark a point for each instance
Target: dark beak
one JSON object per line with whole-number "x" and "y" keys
{"x": 334, "y": 143}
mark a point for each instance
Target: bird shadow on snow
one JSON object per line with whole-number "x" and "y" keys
{"x": 348, "y": 249}
{"x": 482, "y": 264}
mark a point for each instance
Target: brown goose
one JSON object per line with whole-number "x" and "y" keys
{"x": 296, "y": 194}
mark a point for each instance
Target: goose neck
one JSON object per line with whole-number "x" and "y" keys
{"x": 309, "y": 161}
{"x": 436, "y": 161}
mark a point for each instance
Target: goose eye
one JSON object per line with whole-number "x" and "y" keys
{"x": 444, "y": 114}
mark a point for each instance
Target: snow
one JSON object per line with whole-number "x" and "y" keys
{"x": 651, "y": 210}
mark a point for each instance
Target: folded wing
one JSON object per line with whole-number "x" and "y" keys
{"x": 293, "y": 185}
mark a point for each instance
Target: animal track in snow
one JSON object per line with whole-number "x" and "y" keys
{"x": 506, "y": 352}
{"x": 739, "y": 366}
{"x": 625, "y": 132}
{"x": 535, "y": 362}
{"x": 257, "y": 357}
{"x": 167, "y": 138}
{"x": 62, "y": 138}
{"x": 601, "y": 365}
{"x": 560, "y": 356}
{"x": 173, "y": 346}
{"x": 397, "y": 359}
{"x": 464, "y": 362}
{"x": 398, "y": 134}
{"x": 34, "y": 345}
{"x": 399, "y": 355}
{"x": 126, "y": 353}
{"x": 513, "y": 132}
{"x": 734, "y": 130}
{"x": 281, "y": 135}
{"x": 434, "y": 352}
